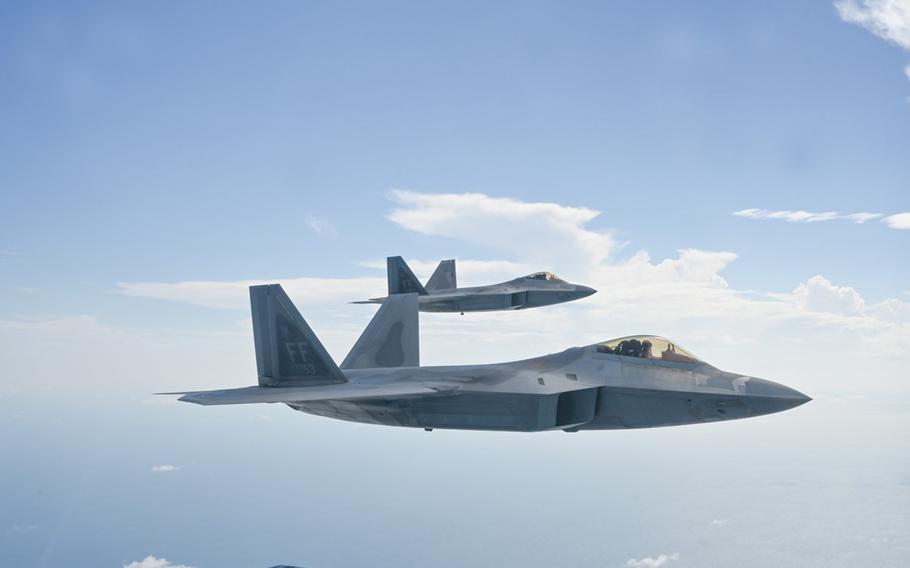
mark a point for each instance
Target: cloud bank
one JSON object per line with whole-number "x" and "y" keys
{"x": 682, "y": 294}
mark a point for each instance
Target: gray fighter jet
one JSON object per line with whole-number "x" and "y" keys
{"x": 442, "y": 294}
{"x": 632, "y": 382}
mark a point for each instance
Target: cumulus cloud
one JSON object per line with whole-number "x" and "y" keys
{"x": 898, "y": 221}
{"x": 805, "y": 216}
{"x": 537, "y": 231}
{"x": 820, "y": 294}
{"x": 888, "y": 19}
{"x": 152, "y": 562}
{"x": 655, "y": 562}
{"x": 164, "y": 468}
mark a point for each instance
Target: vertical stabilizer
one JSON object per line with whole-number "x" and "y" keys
{"x": 401, "y": 278}
{"x": 443, "y": 277}
{"x": 288, "y": 354}
{"x": 391, "y": 339}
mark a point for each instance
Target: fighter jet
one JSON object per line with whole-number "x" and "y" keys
{"x": 631, "y": 382}
{"x": 442, "y": 294}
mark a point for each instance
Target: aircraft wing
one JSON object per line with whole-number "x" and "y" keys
{"x": 251, "y": 395}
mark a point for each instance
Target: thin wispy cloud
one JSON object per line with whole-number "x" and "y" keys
{"x": 887, "y": 19}
{"x": 152, "y": 562}
{"x": 652, "y": 562}
{"x": 19, "y": 529}
{"x": 800, "y": 216}
{"x": 320, "y": 225}
{"x": 164, "y": 468}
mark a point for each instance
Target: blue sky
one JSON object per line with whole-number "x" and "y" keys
{"x": 147, "y": 146}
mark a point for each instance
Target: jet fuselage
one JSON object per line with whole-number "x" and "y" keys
{"x": 578, "y": 389}
{"x": 517, "y": 294}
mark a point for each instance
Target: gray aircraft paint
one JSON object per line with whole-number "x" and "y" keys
{"x": 441, "y": 293}
{"x": 582, "y": 388}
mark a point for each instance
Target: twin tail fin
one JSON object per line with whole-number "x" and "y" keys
{"x": 288, "y": 353}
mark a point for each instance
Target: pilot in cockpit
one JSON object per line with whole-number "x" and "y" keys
{"x": 646, "y": 349}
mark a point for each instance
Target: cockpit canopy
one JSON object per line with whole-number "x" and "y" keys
{"x": 544, "y": 276}
{"x": 647, "y": 347}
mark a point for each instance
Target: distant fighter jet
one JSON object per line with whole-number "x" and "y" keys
{"x": 632, "y": 382}
{"x": 441, "y": 294}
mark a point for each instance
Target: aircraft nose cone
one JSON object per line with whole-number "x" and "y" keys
{"x": 584, "y": 291}
{"x": 767, "y": 397}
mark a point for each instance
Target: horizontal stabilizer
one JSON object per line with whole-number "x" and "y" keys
{"x": 252, "y": 395}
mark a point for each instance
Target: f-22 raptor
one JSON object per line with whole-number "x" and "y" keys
{"x": 631, "y": 382}
{"x": 442, "y": 294}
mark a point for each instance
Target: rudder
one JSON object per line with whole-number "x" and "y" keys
{"x": 288, "y": 353}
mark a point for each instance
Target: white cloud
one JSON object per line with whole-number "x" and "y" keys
{"x": 649, "y": 562}
{"x": 888, "y": 19}
{"x": 819, "y": 294}
{"x": 152, "y": 562}
{"x": 535, "y": 231}
{"x": 805, "y": 216}
{"x": 898, "y": 221}
{"x": 718, "y": 522}
{"x": 862, "y": 217}
{"x": 164, "y": 468}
